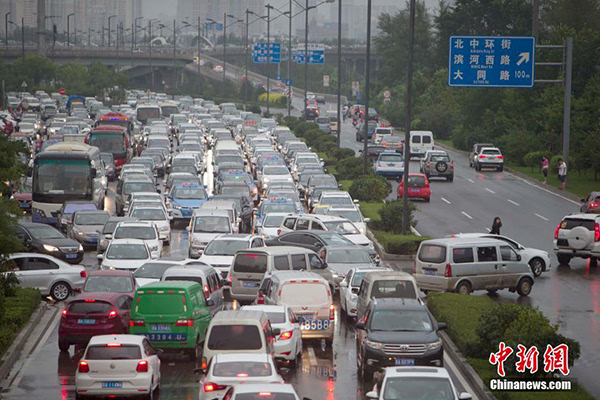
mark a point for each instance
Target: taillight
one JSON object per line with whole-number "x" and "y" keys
{"x": 185, "y": 322}
{"x": 206, "y": 291}
{"x": 451, "y": 164}
{"x": 64, "y": 313}
{"x": 285, "y": 335}
{"x": 211, "y": 387}
{"x": 278, "y": 232}
{"x": 260, "y": 299}
{"x": 331, "y": 312}
{"x": 427, "y": 164}
{"x": 84, "y": 367}
{"x": 83, "y": 274}
{"x": 142, "y": 366}
{"x": 500, "y": 157}
{"x": 594, "y": 205}
{"x": 229, "y": 278}
{"x": 112, "y": 314}
{"x": 556, "y": 231}
{"x": 448, "y": 273}
{"x": 137, "y": 322}
{"x": 596, "y": 233}
{"x": 482, "y": 156}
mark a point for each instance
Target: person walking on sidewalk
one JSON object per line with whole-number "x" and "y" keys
{"x": 545, "y": 165}
{"x": 562, "y": 173}
{"x": 496, "y": 225}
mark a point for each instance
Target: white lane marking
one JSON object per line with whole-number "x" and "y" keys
{"x": 541, "y": 188}
{"x": 39, "y": 346}
{"x": 513, "y": 202}
{"x": 312, "y": 357}
{"x": 471, "y": 180}
{"x": 466, "y": 215}
{"x": 541, "y": 216}
{"x": 445, "y": 201}
{"x": 462, "y": 380}
{"x": 490, "y": 190}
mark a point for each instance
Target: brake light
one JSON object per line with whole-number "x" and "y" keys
{"x": 264, "y": 394}
{"x": 142, "y": 366}
{"x": 451, "y": 164}
{"x": 427, "y": 164}
{"x": 113, "y": 344}
{"x": 64, "y": 313}
{"x": 260, "y": 299}
{"x": 384, "y": 144}
{"x": 556, "y": 231}
{"x": 500, "y": 157}
{"x": 596, "y": 232}
{"x": 448, "y": 273}
{"x": 90, "y": 300}
{"x": 211, "y": 387}
{"x": 482, "y": 156}
{"x": 594, "y": 205}
{"x": 112, "y": 314}
{"x": 331, "y": 312}
{"x": 84, "y": 367}
{"x": 285, "y": 335}
{"x": 229, "y": 278}
{"x": 83, "y": 274}
{"x": 242, "y": 375}
{"x": 185, "y": 322}
{"x": 206, "y": 291}
{"x": 137, "y": 322}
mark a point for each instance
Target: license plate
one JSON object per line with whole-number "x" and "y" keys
{"x": 405, "y": 361}
{"x": 24, "y": 205}
{"x": 71, "y": 256}
{"x": 491, "y": 158}
{"x": 391, "y": 164}
{"x": 315, "y": 325}
{"x": 250, "y": 284}
{"x": 429, "y": 271}
{"x": 161, "y": 328}
{"x": 414, "y": 190}
{"x": 86, "y": 321}
{"x": 93, "y": 240}
{"x": 166, "y": 337}
{"x": 112, "y": 385}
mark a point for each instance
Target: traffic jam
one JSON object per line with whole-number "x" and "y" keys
{"x": 182, "y": 231}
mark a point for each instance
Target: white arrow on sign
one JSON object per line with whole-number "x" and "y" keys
{"x": 524, "y": 58}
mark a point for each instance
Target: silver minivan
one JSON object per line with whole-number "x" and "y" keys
{"x": 229, "y": 206}
{"x": 463, "y": 265}
{"x": 385, "y": 285}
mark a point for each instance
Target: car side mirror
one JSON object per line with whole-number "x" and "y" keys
{"x": 367, "y": 220}
{"x": 360, "y": 325}
{"x": 210, "y": 303}
{"x": 465, "y": 396}
{"x": 108, "y": 236}
{"x": 354, "y": 290}
{"x": 355, "y": 201}
{"x": 284, "y": 371}
{"x": 344, "y": 284}
{"x": 199, "y": 371}
{"x": 583, "y": 200}
{"x": 519, "y": 258}
{"x": 372, "y": 394}
{"x": 276, "y": 331}
{"x": 441, "y": 326}
{"x": 100, "y": 257}
{"x": 158, "y": 191}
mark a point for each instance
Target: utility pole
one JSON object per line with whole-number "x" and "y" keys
{"x": 289, "y": 63}
{"x": 367, "y": 88}
{"x": 268, "y": 56}
{"x": 174, "y": 55}
{"x": 339, "y": 82}
{"x": 6, "y": 28}
{"x": 199, "y": 37}
{"x": 224, "y": 52}
{"x": 246, "y": 68}
{"x": 306, "y": 58}
{"x": 567, "y": 105}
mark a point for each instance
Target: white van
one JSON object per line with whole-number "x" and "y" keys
{"x": 226, "y": 205}
{"x": 420, "y": 142}
{"x": 308, "y": 296}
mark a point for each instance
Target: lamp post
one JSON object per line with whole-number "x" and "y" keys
{"x": 185, "y": 23}
{"x": 258, "y": 17}
{"x": 225, "y": 16}
{"x": 367, "y": 89}
{"x": 6, "y": 28}
{"x": 135, "y": 31}
{"x": 109, "y": 18}
{"x": 22, "y": 36}
{"x": 339, "y": 80}
{"x": 69, "y": 28}
{"x": 269, "y": 7}
{"x": 306, "y": 9}
{"x": 90, "y": 30}
{"x": 150, "y": 50}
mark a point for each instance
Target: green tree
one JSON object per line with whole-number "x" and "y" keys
{"x": 34, "y": 70}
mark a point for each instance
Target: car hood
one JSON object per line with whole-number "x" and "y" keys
{"x": 22, "y": 196}
{"x": 217, "y": 261}
{"x": 131, "y": 265}
{"x": 345, "y": 267}
{"x": 206, "y": 237}
{"x": 66, "y": 242}
{"x": 358, "y": 238}
{"x": 90, "y": 229}
{"x": 145, "y": 281}
{"x": 188, "y": 203}
{"x": 403, "y": 337}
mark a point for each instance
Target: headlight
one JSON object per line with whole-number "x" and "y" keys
{"x": 80, "y": 248}
{"x": 177, "y": 207}
{"x": 195, "y": 240}
{"x": 50, "y": 248}
{"x": 103, "y": 242}
{"x": 373, "y": 345}
{"x": 434, "y": 345}
{"x": 163, "y": 228}
{"x": 78, "y": 232}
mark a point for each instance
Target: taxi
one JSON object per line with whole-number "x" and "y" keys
{"x": 184, "y": 199}
{"x": 276, "y": 205}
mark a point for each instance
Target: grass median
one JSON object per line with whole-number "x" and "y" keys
{"x": 15, "y": 313}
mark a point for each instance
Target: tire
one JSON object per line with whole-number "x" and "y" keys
{"x": 150, "y": 395}
{"x": 477, "y": 167}
{"x": 500, "y": 169}
{"x": 492, "y": 291}
{"x": 450, "y": 178}
{"x": 427, "y": 200}
{"x": 593, "y": 262}
{"x": 463, "y": 288}
{"x": 60, "y": 291}
{"x": 524, "y": 287}
{"x": 194, "y": 354}
{"x": 563, "y": 259}
{"x": 365, "y": 374}
{"x": 63, "y": 346}
{"x": 537, "y": 266}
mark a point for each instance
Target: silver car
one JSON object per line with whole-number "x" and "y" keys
{"x": 51, "y": 276}
{"x": 86, "y": 225}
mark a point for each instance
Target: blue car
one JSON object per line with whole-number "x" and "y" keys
{"x": 277, "y": 205}
{"x": 185, "y": 199}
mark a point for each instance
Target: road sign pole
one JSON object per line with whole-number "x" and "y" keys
{"x": 305, "y": 60}
{"x": 289, "y": 63}
{"x": 268, "y": 57}
{"x": 246, "y": 71}
{"x": 367, "y": 89}
{"x": 406, "y": 147}
{"x": 567, "y": 105}
{"x": 339, "y": 78}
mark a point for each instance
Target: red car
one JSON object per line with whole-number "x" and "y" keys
{"x": 418, "y": 187}
{"x": 91, "y": 314}
{"x": 23, "y": 194}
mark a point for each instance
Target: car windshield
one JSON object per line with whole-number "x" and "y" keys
{"x": 225, "y": 247}
{"x": 417, "y": 388}
{"x": 336, "y": 200}
{"x": 304, "y": 294}
{"x": 184, "y": 168}
{"x": 351, "y": 215}
{"x": 335, "y": 239}
{"x": 392, "y": 140}
{"x": 106, "y": 352}
{"x": 390, "y": 158}
{"x": 241, "y": 369}
{"x": 109, "y": 227}
{"x": 127, "y": 251}
{"x": 152, "y": 270}
{"x": 235, "y": 337}
{"x": 401, "y": 321}
{"x": 275, "y": 170}
{"x": 45, "y": 232}
{"x": 111, "y": 284}
{"x": 212, "y": 224}
{"x": 91, "y": 219}
{"x": 149, "y": 214}
{"x": 272, "y": 221}
{"x": 135, "y": 232}
{"x": 342, "y": 227}
{"x": 132, "y": 187}
{"x": 392, "y": 289}
{"x": 278, "y": 208}
{"x": 439, "y": 157}
{"x": 348, "y": 256}
{"x": 190, "y": 193}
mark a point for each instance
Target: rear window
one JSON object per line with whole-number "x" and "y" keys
{"x": 426, "y": 139}
{"x": 416, "y": 181}
{"x": 574, "y": 223}
{"x": 89, "y": 307}
{"x": 234, "y": 337}
{"x": 122, "y": 352}
{"x": 265, "y": 396}
{"x": 242, "y": 369}
{"x": 431, "y": 253}
{"x": 276, "y": 317}
{"x": 252, "y": 263}
{"x": 490, "y": 151}
{"x": 166, "y": 304}
{"x": 304, "y": 294}
{"x": 393, "y": 289}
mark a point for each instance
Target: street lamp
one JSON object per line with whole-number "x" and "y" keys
{"x": 6, "y": 28}
{"x": 187, "y": 24}
{"x": 22, "y": 36}
{"x": 367, "y": 90}
{"x": 69, "y": 28}
{"x": 150, "y": 22}
{"x": 109, "y": 18}
{"x": 289, "y": 15}
{"x": 135, "y": 31}
{"x": 269, "y": 7}
{"x": 225, "y": 16}
{"x": 258, "y": 17}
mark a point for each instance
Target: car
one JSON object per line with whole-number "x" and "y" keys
{"x": 353, "y": 214}
{"x": 350, "y": 286}
{"x": 275, "y": 205}
{"x": 125, "y": 187}
{"x": 91, "y": 314}
{"x": 578, "y": 235}
{"x": 45, "y": 239}
{"x": 263, "y": 391}
{"x": 333, "y": 198}
{"x": 111, "y": 281}
{"x": 311, "y": 112}
{"x": 415, "y": 383}
{"x": 373, "y": 152}
{"x": 397, "y": 332}
{"x": 228, "y": 370}
{"x": 273, "y": 173}
{"x": 312, "y": 240}
{"x": 51, "y": 276}
{"x": 184, "y": 199}
{"x": 320, "y": 99}
{"x": 122, "y": 365}
{"x": 437, "y": 163}
{"x": 474, "y": 154}
{"x": 341, "y": 259}
{"x": 324, "y": 124}
{"x": 591, "y": 204}
{"x": 152, "y": 271}
{"x": 392, "y": 143}
{"x": 205, "y": 225}
{"x": 538, "y": 260}
{"x": 125, "y": 254}
{"x": 107, "y": 231}
{"x": 418, "y": 187}
{"x": 86, "y": 225}
{"x": 220, "y": 251}
{"x": 389, "y": 165}
{"x": 23, "y": 195}
{"x": 360, "y": 131}
{"x": 158, "y": 216}
{"x": 65, "y": 213}
{"x": 143, "y": 230}
{"x": 270, "y": 224}
{"x": 490, "y": 157}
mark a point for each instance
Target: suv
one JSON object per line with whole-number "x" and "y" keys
{"x": 397, "y": 332}
{"x": 578, "y": 235}
{"x": 490, "y": 157}
{"x": 437, "y": 163}
{"x": 474, "y": 154}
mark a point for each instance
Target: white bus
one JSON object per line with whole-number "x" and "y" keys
{"x": 66, "y": 171}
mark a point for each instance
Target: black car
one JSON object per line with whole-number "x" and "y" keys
{"x": 45, "y": 239}
{"x": 591, "y": 204}
{"x": 373, "y": 152}
{"x": 65, "y": 213}
{"x": 310, "y": 113}
{"x": 397, "y": 332}
{"x": 320, "y": 99}
{"x": 313, "y": 240}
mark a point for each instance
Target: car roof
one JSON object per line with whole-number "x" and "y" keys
{"x": 135, "y": 223}
{"x": 184, "y": 285}
{"x": 264, "y": 307}
{"x": 461, "y": 241}
{"x": 211, "y": 211}
{"x": 276, "y": 250}
{"x": 189, "y": 270}
{"x": 398, "y": 303}
{"x": 79, "y": 212}
{"x": 126, "y": 241}
{"x": 234, "y": 357}
{"x": 437, "y": 372}
{"x": 582, "y": 216}
{"x": 97, "y": 296}
{"x": 238, "y": 315}
{"x": 123, "y": 339}
{"x": 236, "y": 236}
{"x": 288, "y": 276}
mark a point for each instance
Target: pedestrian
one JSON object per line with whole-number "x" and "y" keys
{"x": 496, "y": 225}
{"x": 545, "y": 165}
{"x": 562, "y": 173}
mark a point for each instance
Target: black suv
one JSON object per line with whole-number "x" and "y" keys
{"x": 397, "y": 332}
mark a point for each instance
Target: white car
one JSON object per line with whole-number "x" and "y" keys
{"x": 349, "y": 288}
{"x": 125, "y": 254}
{"x": 220, "y": 251}
{"x": 334, "y": 198}
{"x": 227, "y": 370}
{"x": 273, "y": 173}
{"x": 156, "y": 215}
{"x": 288, "y": 344}
{"x": 416, "y": 383}
{"x": 143, "y": 230}
{"x": 490, "y": 157}
{"x": 351, "y": 213}
{"x": 538, "y": 260}
{"x": 270, "y": 224}
{"x": 271, "y": 391}
{"x": 121, "y": 365}
{"x": 152, "y": 271}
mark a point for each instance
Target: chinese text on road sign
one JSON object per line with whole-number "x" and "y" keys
{"x": 259, "y": 53}
{"x": 491, "y": 61}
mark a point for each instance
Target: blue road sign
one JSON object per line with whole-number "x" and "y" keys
{"x": 491, "y": 61}
{"x": 259, "y": 53}
{"x": 316, "y": 54}
{"x": 288, "y": 82}
{"x": 219, "y": 26}
{"x": 278, "y": 77}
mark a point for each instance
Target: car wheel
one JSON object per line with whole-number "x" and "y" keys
{"x": 150, "y": 395}
{"x": 60, "y": 291}
{"x": 500, "y": 169}
{"x": 463, "y": 288}
{"x": 63, "y": 346}
{"x": 492, "y": 291}
{"x": 194, "y": 353}
{"x": 477, "y": 167}
{"x": 537, "y": 266}
{"x": 366, "y": 375}
{"x": 563, "y": 259}
{"x": 524, "y": 287}
{"x": 427, "y": 200}
{"x": 593, "y": 262}
{"x": 450, "y": 178}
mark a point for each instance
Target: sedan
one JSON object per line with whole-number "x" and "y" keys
{"x": 143, "y": 230}
{"x": 110, "y": 281}
{"x": 86, "y": 226}
{"x": 42, "y": 238}
{"x": 65, "y": 213}
{"x": 341, "y": 259}
{"x": 313, "y": 240}
{"x": 125, "y": 254}
{"x": 418, "y": 187}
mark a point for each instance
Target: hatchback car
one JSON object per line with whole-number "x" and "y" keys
{"x": 389, "y": 165}
{"x": 86, "y": 225}
{"x": 437, "y": 163}
{"x": 125, "y": 254}
{"x": 418, "y": 187}
{"x": 490, "y": 157}
{"x": 220, "y": 251}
